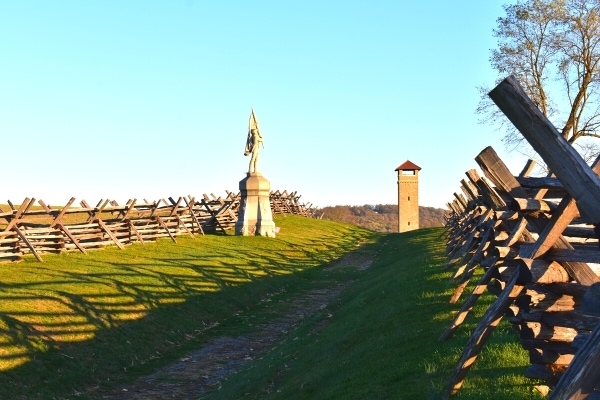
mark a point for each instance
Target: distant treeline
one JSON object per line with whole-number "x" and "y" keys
{"x": 380, "y": 217}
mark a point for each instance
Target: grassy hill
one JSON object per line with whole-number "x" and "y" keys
{"x": 380, "y": 217}
{"x": 325, "y": 310}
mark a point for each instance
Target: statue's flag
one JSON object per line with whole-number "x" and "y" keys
{"x": 252, "y": 124}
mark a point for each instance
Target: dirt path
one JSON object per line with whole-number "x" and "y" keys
{"x": 204, "y": 369}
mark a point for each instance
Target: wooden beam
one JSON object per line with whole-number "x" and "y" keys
{"x": 180, "y": 223}
{"x": 61, "y": 213}
{"x": 57, "y": 222}
{"x": 486, "y": 326}
{"x": 131, "y": 205}
{"x": 481, "y": 286}
{"x": 588, "y": 256}
{"x": 461, "y": 200}
{"x": 71, "y": 237}
{"x": 470, "y": 189}
{"x": 190, "y": 205}
{"x": 135, "y": 231}
{"x": 95, "y": 213}
{"x": 106, "y": 229}
{"x": 27, "y": 203}
{"x": 499, "y": 173}
{"x": 583, "y": 374}
{"x": 165, "y": 227}
{"x": 27, "y": 242}
{"x": 564, "y": 161}
{"x": 470, "y": 267}
{"x": 541, "y": 182}
{"x": 528, "y": 168}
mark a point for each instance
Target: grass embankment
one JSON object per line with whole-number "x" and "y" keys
{"x": 379, "y": 339}
{"x": 75, "y": 325}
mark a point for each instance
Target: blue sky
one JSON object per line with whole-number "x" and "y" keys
{"x": 150, "y": 99}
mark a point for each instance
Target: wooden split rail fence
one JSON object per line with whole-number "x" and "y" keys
{"x": 31, "y": 228}
{"x": 536, "y": 239}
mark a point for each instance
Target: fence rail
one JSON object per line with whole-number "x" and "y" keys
{"x": 33, "y": 227}
{"x": 536, "y": 239}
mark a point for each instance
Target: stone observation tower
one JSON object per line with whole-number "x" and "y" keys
{"x": 408, "y": 196}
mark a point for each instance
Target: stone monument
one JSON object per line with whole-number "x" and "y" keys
{"x": 254, "y": 216}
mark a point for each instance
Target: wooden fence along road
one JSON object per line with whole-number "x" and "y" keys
{"x": 38, "y": 228}
{"x": 537, "y": 242}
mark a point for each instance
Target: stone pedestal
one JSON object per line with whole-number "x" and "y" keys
{"x": 255, "y": 216}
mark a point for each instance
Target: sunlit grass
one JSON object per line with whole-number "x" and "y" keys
{"x": 380, "y": 339}
{"x": 73, "y": 312}
{"x": 76, "y": 322}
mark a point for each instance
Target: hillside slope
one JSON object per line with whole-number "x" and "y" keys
{"x": 380, "y": 217}
{"x": 378, "y": 339}
{"x": 323, "y": 311}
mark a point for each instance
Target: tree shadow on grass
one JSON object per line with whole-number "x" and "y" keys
{"x": 68, "y": 330}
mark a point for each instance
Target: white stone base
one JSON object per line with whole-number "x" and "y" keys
{"x": 255, "y": 216}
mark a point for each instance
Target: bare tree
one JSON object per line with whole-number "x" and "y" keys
{"x": 552, "y": 47}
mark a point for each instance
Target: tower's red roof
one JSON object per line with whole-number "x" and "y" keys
{"x": 408, "y": 165}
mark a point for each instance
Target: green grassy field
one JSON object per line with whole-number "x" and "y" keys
{"x": 76, "y": 326}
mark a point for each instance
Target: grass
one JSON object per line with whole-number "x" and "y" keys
{"x": 76, "y": 322}
{"x": 379, "y": 340}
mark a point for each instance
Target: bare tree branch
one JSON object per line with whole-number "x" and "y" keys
{"x": 552, "y": 47}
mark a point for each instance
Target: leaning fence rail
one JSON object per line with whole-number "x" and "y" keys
{"x": 33, "y": 227}
{"x": 536, "y": 241}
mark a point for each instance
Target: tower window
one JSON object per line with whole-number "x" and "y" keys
{"x": 408, "y": 198}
